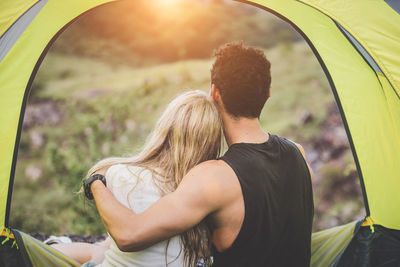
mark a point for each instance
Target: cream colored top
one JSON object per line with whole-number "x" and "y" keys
{"x": 134, "y": 187}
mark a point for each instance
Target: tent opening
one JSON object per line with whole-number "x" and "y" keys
{"x": 360, "y": 59}
{"x": 99, "y": 91}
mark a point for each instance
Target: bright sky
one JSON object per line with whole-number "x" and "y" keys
{"x": 168, "y": 2}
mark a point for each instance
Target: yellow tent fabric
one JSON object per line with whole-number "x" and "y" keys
{"x": 327, "y": 246}
{"x": 370, "y": 106}
{"x": 20, "y": 249}
{"x": 378, "y": 169}
{"x": 368, "y": 99}
{"x": 379, "y": 34}
{"x": 10, "y": 13}
{"x": 16, "y": 69}
{"x": 42, "y": 255}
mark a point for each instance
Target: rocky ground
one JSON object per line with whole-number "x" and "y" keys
{"x": 330, "y": 156}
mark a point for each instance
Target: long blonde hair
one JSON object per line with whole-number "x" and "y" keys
{"x": 187, "y": 133}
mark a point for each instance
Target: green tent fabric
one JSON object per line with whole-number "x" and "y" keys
{"x": 327, "y": 246}
{"x": 369, "y": 100}
{"x": 357, "y": 47}
{"x": 40, "y": 254}
{"x": 23, "y": 250}
{"x": 18, "y": 68}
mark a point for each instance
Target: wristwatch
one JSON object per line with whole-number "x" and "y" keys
{"x": 87, "y": 182}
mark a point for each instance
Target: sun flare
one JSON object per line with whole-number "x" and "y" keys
{"x": 168, "y": 2}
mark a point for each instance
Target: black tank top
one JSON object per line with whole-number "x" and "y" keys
{"x": 279, "y": 209}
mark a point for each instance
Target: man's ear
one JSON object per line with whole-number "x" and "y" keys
{"x": 215, "y": 94}
{"x": 269, "y": 93}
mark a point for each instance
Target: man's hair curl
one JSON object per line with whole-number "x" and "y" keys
{"x": 242, "y": 75}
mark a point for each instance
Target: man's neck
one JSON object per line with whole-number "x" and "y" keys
{"x": 243, "y": 130}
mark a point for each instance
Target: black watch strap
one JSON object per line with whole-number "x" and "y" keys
{"x": 87, "y": 182}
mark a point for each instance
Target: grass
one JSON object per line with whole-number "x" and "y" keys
{"x": 108, "y": 110}
{"x": 298, "y": 85}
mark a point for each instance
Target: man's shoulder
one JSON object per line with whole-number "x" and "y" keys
{"x": 215, "y": 177}
{"x": 289, "y": 144}
{"x": 296, "y": 147}
{"x": 300, "y": 151}
{"x": 217, "y": 169}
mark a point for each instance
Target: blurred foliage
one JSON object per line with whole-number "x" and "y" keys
{"x": 143, "y": 32}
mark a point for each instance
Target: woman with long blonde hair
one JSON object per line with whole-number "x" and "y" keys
{"x": 187, "y": 133}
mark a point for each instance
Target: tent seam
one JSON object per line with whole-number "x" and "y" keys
{"x": 18, "y": 16}
{"x": 366, "y": 47}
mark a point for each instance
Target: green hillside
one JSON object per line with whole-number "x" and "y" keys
{"x": 82, "y": 110}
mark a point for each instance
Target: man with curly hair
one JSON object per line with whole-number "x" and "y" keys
{"x": 257, "y": 198}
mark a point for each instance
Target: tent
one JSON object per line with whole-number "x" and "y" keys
{"x": 357, "y": 43}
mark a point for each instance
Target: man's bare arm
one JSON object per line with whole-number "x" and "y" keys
{"x": 199, "y": 194}
{"x": 304, "y": 155}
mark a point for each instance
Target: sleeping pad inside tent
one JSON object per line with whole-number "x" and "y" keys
{"x": 357, "y": 47}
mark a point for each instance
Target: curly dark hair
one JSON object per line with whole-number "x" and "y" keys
{"x": 242, "y": 75}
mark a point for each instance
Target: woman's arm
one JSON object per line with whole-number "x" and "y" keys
{"x": 84, "y": 252}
